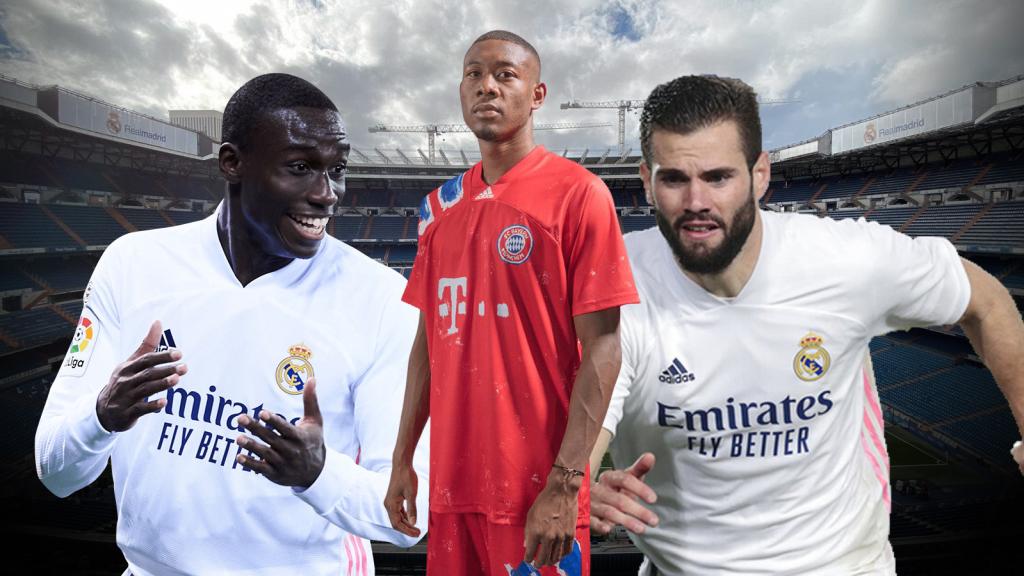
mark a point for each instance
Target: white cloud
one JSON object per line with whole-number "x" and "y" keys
{"x": 398, "y": 61}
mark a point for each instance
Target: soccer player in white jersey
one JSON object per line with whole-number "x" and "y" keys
{"x": 744, "y": 403}
{"x": 251, "y": 430}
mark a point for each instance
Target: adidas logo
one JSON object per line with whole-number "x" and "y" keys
{"x": 676, "y": 373}
{"x": 166, "y": 341}
{"x": 485, "y": 194}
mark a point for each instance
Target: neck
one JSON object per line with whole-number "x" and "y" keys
{"x": 498, "y": 158}
{"x": 729, "y": 282}
{"x": 247, "y": 261}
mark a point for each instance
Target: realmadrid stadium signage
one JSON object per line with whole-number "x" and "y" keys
{"x": 935, "y": 114}
{"x": 102, "y": 118}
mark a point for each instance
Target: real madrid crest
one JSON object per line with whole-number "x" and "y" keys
{"x": 812, "y": 361}
{"x": 515, "y": 244}
{"x": 294, "y": 371}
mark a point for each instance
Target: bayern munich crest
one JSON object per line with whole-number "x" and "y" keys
{"x": 295, "y": 371}
{"x": 515, "y": 244}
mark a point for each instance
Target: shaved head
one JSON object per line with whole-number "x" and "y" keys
{"x": 506, "y": 36}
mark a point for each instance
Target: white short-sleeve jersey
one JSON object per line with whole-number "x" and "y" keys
{"x": 766, "y": 427}
{"x": 184, "y": 505}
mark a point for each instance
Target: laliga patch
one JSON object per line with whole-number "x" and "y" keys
{"x": 82, "y": 345}
{"x": 515, "y": 244}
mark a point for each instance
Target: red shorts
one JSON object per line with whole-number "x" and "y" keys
{"x": 469, "y": 545}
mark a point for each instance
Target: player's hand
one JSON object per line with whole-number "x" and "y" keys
{"x": 289, "y": 455}
{"x": 551, "y": 521}
{"x": 400, "y": 500}
{"x": 614, "y": 498}
{"x": 1018, "y": 454}
{"x": 126, "y": 397}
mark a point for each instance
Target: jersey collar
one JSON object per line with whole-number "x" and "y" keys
{"x": 525, "y": 164}
{"x": 215, "y": 253}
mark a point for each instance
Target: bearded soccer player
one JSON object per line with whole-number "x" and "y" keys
{"x": 520, "y": 271}
{"x": 744, "y": 402}
{"x": 252, "y": 320}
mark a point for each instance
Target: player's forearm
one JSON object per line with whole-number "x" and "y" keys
{"x": 350, "y": 495}
{"x": 604, "y": 438}
{"x": 997, "y": 334}
{"x": 591, "y": 394}
{"x": 416, "y": 404}
{"x": 71, "y": 448}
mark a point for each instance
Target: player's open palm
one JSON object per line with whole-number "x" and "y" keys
{"x": 146, "y": 372}
{"x": 288, "y": 455}
{"x": 614, "y": 499}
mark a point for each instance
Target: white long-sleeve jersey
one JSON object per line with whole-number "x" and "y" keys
{"x": 766, "y": 428}
{"x": 184, "y": 505}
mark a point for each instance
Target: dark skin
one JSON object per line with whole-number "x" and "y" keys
{"x": 500, "y": 90}
{"x": 281, "y": 189}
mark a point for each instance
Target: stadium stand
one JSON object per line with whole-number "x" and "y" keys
{"x": 64, "y": 204}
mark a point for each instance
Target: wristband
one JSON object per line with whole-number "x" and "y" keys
{"x": 571, "y": 472}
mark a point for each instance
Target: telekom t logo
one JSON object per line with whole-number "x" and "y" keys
{"x": 456, "y": 302}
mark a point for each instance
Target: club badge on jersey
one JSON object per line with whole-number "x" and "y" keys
{"x": 82, "y": 345}
{"x": 813, "y": 360}
{"x": 515, "y": 244}
{"x": 294, "y": 371}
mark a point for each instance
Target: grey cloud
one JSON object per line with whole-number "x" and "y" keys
{"x": 399, "y": 62}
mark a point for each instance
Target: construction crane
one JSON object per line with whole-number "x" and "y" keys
{"x": 625, "y": 105}
{"x": 433, "y": 130}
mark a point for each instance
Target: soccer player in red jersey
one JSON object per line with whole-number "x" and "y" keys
{"x": 519, "y": 276}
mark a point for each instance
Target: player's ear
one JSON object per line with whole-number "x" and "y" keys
{"x": 645, "y": 177}
{"x": 540, "y": 92}
{"x": 762, "y": 175}
{"x": 230, "y": 161}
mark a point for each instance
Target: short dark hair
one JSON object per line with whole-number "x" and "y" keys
{"x": 690, "y": 103}
{"x": 264, "y": 94}
{"x": 506, "y": 36}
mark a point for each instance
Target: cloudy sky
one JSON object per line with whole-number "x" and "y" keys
{"x": 399, "y": 61}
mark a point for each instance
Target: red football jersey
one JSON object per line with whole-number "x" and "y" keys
{"x": 500, "y": 272}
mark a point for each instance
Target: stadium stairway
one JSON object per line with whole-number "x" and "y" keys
{"x": 981, "y": 214}
{"x": 984, "y": 412}
{"x": 913, "y": 217}
{"x": 113, "y": 182}
{"x": 60, "y": 223}
{"x": 64, "y": 314}
{"x": 817, "y": 193}
{"x": 979, "y": 176}
{"x": 917, "y": 181}
{"x": 170, "y": 221}
{"x": 4, "y": 244}
{"x": 120, "y": 219}
{"x": 37, "y": 279}
{"x": 860, "y": 192}
{"x": 9, "y": 341}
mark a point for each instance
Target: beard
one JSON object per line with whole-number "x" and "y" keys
{"x": 486, "y": 133}
{"x": 703, "y": 260}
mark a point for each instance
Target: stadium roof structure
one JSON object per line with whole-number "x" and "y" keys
{"x": 973, "y": 120}
{"x": 976, "y": 119}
